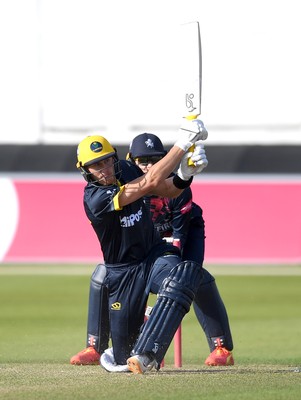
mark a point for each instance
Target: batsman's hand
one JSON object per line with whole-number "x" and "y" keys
{"x": 199, "y": 162}
{"x": 191, "y": 130}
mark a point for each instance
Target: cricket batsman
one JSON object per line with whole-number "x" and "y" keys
{"x": 137, "y": 260}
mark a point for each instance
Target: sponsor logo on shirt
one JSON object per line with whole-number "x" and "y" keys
{"x": 130, "y": 220}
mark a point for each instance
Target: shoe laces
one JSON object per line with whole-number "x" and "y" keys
{"x": 221, "y": 350}
{"x": 88, "y": 350}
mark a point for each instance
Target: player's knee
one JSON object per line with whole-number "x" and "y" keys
{"x": 182, "y": 283}
{"x": 188, "y": 273}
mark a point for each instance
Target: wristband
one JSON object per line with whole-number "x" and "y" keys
{"x": 180, "y": 183}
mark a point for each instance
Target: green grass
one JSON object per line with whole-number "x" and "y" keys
{"x": 43, "y": 323}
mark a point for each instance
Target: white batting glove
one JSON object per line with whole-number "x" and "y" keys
{"x": 199, "y": 159}
{"x": 198, "y": 156}
{"x": 190, "y": 132}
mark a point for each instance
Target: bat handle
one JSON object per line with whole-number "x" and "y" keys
{"x": 191, "y": 148}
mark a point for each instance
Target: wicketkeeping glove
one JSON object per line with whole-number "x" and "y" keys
{"x": 199, "y": 159}
{"x": 190, "y": 132}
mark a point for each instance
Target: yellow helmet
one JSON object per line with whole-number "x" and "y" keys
{"x": 93, "y": 149}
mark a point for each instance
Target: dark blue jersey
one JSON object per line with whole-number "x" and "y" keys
{"x": 173, "y": 217}
{"x": 126, "y": 234}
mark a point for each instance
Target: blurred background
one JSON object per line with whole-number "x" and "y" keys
{"x": 75, "y": 67}
{"x": 70, "y": 68}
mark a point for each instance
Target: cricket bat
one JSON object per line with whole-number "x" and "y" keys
{"x": 191, "y": 71}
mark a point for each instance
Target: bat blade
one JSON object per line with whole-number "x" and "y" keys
{"x": 191, "y": 69}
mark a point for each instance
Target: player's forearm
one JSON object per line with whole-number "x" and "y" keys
{"x": 162, "y": 169}
{"x": 154, "y": 181}
{"x": 166, "y": 188}
{"x": 159, "y": 172}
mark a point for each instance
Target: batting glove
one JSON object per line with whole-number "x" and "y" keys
{"x": 190, "y": 132}
{"x": 199, "y": 159}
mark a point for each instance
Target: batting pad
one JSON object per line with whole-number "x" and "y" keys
{"x": 174, "y": 300}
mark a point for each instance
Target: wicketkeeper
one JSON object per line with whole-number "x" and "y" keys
{"x": 182, "y": 219}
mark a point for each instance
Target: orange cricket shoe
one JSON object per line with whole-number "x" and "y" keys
{"x": 220, "y": 357}
{"x": 88, "y": 356}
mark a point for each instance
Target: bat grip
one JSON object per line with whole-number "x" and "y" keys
{"x": 189, "y": 161}
{"x": 191, "y": 148}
